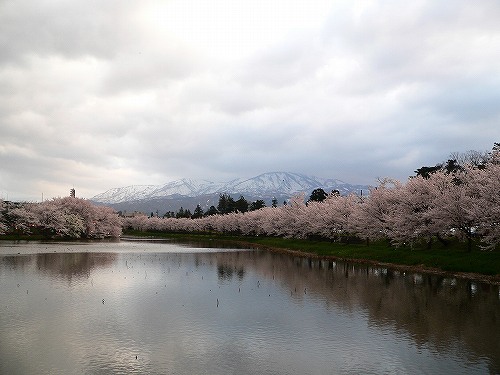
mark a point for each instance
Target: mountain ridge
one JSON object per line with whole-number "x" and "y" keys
{"x": 265, "y": 184}
{"x": 190, "y": 192}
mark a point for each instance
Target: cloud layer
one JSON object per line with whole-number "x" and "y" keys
{"x": 100, "y": 94}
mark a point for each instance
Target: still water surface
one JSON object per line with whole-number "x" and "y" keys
{"x": 138, "y": 307}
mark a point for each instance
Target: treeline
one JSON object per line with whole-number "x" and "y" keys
{"x": 226, "y": 205}
{"x": 446, "y": 203}
{"x": 67, "y": 217}
{"x": 450, "y": 200}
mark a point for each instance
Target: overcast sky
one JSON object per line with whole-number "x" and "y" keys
{"x": 99, "y": 94}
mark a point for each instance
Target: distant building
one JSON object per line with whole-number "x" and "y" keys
{"x": 72, "y": 193}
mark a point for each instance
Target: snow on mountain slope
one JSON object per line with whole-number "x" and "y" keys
{"x": 264, "y": 185}
{"x": 283, "y": 183}
{"x": 185, "y": 187}
{"x": 124, "y": 194}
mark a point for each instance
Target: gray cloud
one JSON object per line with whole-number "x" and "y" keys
{"x": 63, "y": 28}
{"x": 106, "y": 94}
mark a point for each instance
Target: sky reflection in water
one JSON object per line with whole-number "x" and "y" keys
{"x": 141, "y": 307}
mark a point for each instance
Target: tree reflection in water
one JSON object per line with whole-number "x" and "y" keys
{"x": 435, "y": 311}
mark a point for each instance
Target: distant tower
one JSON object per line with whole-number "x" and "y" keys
{"x": 72, "y": 193}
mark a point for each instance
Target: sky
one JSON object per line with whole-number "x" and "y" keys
{"x": 101, "y": 94}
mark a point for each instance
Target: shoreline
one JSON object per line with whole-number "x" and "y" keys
{"x": 489, "y": 279}
{"x": 419, "y": 268}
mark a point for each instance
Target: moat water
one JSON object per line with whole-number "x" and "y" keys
{"x": 158, "y": 307}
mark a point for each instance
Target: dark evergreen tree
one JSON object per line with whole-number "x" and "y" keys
{"x": 211, "y": 211}
{"x": 452, "y": 166}
{"x": 180, "y": 213}
{"x": 274, "y": 202}
{"x": 426, "y": 172}
{"x": 183, "y": 213}
{"x": 169, "y": 214}
{"x": 318, "y": 195}
{"x": 226, "y": 204}
{"x": 241, "y": 205}
{"x": 198, "y": 212}
{"x": 258, "y": 204}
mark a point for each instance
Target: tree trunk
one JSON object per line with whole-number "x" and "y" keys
{"x": 442, "y": 240}
{"x": 469, "y": 240}
{"x": 429, "y": 243}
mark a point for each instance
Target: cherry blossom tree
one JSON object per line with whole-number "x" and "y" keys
{"x": 62, "y": 217}
{"x": 3, "y": 226}
{"x": 23, "y": 219}
{"x": 290, "y": 219}
{"x": 52, "y": 221}
{"x": 106, "y": 223}
{"x": 411, "y": 221}
{"x": 372, "y": 218}
{"x": 86, "y": 219}
{"x": 454, "y": 202}
{"x": 486, "y": 210}
{"x": 332, "y": 218}
{"x": 462, "y": 202}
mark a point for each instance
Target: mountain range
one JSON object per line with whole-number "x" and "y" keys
{"x": 188, "y": 193}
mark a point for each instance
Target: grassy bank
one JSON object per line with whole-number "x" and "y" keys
{"x": 453, "y": 258}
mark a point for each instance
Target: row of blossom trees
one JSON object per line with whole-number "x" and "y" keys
{"x": 464, "y": 204}
{"x": 67, "y": 217}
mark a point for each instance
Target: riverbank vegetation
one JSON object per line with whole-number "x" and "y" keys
{"x": 438, "y": 208}
{"x": 441, "y": 218}
{"x": 67, "y": 217}
{"x": 453, "y": 257}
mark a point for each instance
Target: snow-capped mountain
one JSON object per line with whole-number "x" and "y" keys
{"x": 189, "y": 193}
{"x": 125, "y": 194}
{"x": 285, "y": 183}
{"x": 265, "y": 185}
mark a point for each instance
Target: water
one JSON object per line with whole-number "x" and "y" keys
{"x": 137, "y": 307}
